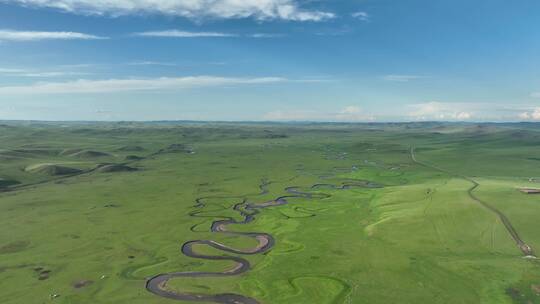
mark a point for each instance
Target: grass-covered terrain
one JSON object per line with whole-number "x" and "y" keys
{"x": 89, "y": 212}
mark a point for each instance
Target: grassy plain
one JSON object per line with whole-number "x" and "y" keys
{"x": 95, "y": 237}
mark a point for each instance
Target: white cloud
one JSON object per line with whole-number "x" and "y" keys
{"x": 51, "y": 74}
{"x": 533, "y": 114}
{"x": 37, "y": 74}
{"x": 290, "y": 115}
{"x": 183, "y": 34}
{"x": 361, "y": 16}
{"x": 266, "y": 35}
{"x": 353, "y": 113}
{"x": 187, "y": 34}
{"x": 424, "y": 109}
{"x": 442, "y": 111}
{"x": 351, "y": 110}
{"x": 259, "y": 9}
{"x": 11, "y": 71}
{"x": 524, "y": 116}
{"x": 535, "y": 95}
{"x": 147, "y": 62}
{"x": 468, "y": 111}
{"x": 11, "y": 35}
{"x": 84, "y": 86}
{"x": 463, "y": 116}
{"x": 536, "y": 114}
{"x": 401, "y": 78}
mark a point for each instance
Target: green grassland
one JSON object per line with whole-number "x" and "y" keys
{"x": 88, "y": 235}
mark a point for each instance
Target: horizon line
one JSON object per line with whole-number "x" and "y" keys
{"x": 271, "y": 121}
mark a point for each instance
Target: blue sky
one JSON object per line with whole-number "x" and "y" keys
{"x": 317, "y": 60}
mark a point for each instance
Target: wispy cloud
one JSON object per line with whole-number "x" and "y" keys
{"x": 266, "y": 35}
{"x": 11, "y": 71}
{"x": 52, "y": 74}
{"x": 16, "y": 72}
{"x": 194, "y": 9}
{"x": 125, "y": 85}
{"x": 189, "y": 34}
{"x": 146, "y": 63}
{"x": 363, "y": 16}
{"x": 12, "y": 35}
{"x": 182, "y": 34}
{"x": 174, "y": 64}
{"x": 401, "y": 78}
{"x": 535, "y": 94}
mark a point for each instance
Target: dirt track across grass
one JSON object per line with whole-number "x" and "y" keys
{"x": 524, "y": 247}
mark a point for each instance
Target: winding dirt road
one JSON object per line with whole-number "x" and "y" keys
{"x": 525, "y": 249}
{"x": 158, "y": 284}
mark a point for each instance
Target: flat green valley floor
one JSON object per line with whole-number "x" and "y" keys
{"x": 73, "y": 231}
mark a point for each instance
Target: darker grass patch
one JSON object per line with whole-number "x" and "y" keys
{"x": 515, "y": 295}
{"x": 525, "y": 292}
{"x": 4, "y": 183}
{"x": 112, "y": 206}
{"x": 82, "y": 284}
{"x": 36, "y": 152}
{"x": 14, "y": 247}
{"x": 275, "y": 136}
{"x": 113, "y": 168}
{"x": 52, "y": 170}
{"x": 130, "y": 149}
{"x": 178, "y": 148}
{"x": 90, "y": 154}
{"x": 6, "y": 268}
{"x": 202, "y": 287}
{"x": 43, "y": 274}
{"x": 134, "y": 158}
